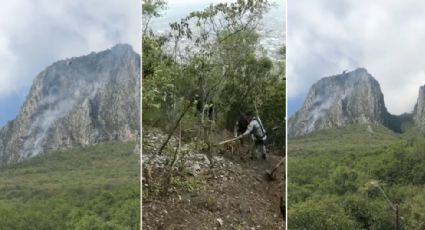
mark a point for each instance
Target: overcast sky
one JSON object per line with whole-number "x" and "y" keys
{"x": 387, "y": 37}
{"x": 34, "y": 34}
{"x": 177, "y": 9}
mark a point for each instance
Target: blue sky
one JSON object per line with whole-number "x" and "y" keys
{"x": 10, "y": 105}
{"x": 326, "y": 37}
{"x": 34, "y": 34}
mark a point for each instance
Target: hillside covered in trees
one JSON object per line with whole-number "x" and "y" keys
{"x": 357, "y": 177}
{"x": 92, "y": 187}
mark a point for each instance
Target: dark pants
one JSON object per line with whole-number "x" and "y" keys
{"x": 259, "y": 148}
{"x": 242, "y": 139}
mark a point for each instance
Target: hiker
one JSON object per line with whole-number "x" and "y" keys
{"x": 198, "y": 104}
{"x": 210, "y": 111}
{"x": 204, "y": 109}
{"x": 240, "y": 126}
{"x": 258, "y": 133}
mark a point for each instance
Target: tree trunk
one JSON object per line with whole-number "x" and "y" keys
{"x": 174, "y": 128}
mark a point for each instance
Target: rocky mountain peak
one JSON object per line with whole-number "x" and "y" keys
{"x": 349, "y": 98}
{"x": 419, "y": 111}
{"x": 122, "y": 48}
{"x": 77, "y": 101}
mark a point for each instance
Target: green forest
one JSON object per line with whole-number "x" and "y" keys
{"x": 208, "y": 68}
{"x": 349, "y": 178}
{"x": 94, "y": 187}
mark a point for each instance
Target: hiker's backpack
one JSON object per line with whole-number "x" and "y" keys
{"x": 263, "y": 130}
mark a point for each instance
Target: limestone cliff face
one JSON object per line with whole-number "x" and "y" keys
{"x": 350, "y": 98}
{"x": 77, "y": 102}
{"x": 419, "y": 111}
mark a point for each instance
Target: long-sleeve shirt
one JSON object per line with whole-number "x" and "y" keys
{"x": 256, "y": 129}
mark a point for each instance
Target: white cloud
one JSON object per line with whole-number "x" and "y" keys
{"x": 385, "y": 36}
{"x": 189, "y": 2}
{"x": 34, "y": 34}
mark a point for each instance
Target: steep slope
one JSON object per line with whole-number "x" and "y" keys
{"x": 77, "y": 102}
{"x": 229, "y": 191}
{"x": 349, "y": 98}
{"x": 419, "y": 112}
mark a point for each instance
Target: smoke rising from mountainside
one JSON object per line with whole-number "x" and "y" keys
{"x": 35, "y": 33}
{"x": 77, "y": 101}
{"x": 384, "y": 36}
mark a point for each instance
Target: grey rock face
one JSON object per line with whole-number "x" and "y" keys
{"x": 349, "y": 98}
{"x": 77, "y": 102}
{"x": 419, "y": 111}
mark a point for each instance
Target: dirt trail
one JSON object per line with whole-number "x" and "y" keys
{"x": 234, "y": 194}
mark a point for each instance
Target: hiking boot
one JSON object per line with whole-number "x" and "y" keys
{"x": 264, "y": 156}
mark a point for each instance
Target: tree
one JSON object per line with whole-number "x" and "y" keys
{"x": 151, "y": 9}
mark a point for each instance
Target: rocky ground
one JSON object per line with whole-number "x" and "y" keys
{"x": 223, "y": 191}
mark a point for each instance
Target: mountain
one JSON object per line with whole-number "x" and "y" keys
{"x": 419, "y": 111}
{"x": 77, "y": 102}
{"x": 349, "y": 98}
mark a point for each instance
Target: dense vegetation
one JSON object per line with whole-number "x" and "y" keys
{"x": 351, "y": 178}
{"x": 208, "y": 68}
{"x": 95, "y": 187}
